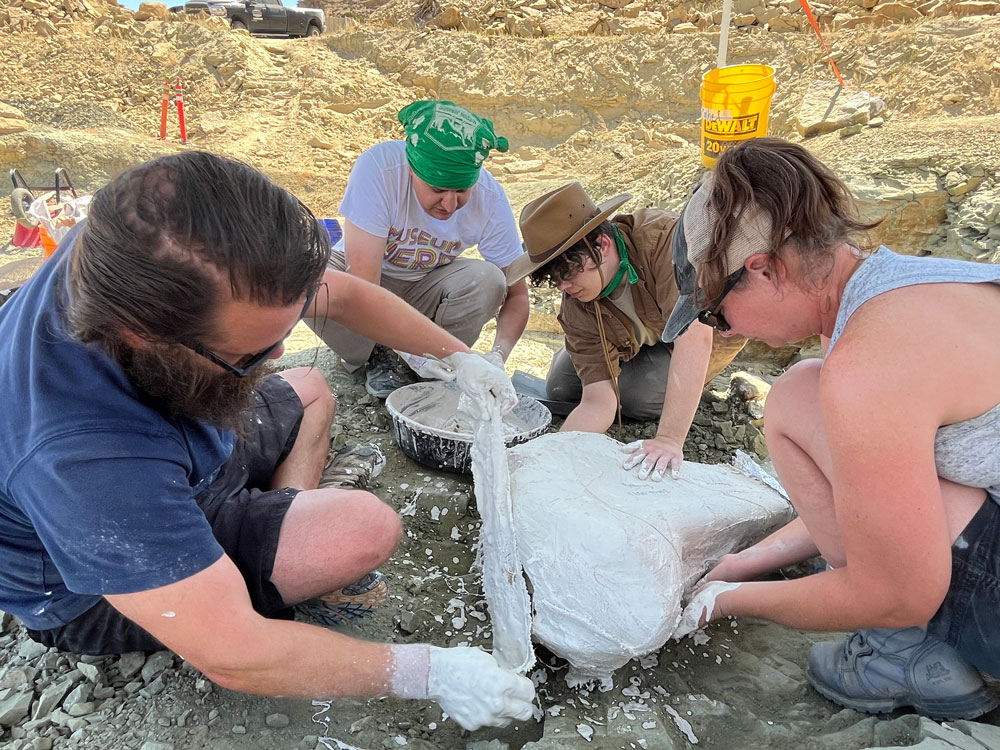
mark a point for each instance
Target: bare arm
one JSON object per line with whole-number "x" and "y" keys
{"x": 512, "y": 319}
{"x": 788, "y": 545}
{"x": 208, "y": 620}
{"x": 596, "y": 411}
{"x": 381, "y": 316}
{"x": 685, "y": 380}
{"x": 363, "y": 253}
{"x": 882, "y": 405}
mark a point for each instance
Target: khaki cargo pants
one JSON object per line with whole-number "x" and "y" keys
{"x": 460, "y": 297}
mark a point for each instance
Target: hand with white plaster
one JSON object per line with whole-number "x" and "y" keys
{"x": 702, "y": 608}
{"x": 472, "y": 688}
{"x": 481, "y": 378}
{"x": 654, "y": 457}
{"x": 468, "y": 684}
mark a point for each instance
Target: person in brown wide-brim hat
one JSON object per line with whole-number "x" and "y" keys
{"x": 617, "y": 279}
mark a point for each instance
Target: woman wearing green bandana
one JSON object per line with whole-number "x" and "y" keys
{"x": 618, "y": 286}
{"x": 411, "y": 207}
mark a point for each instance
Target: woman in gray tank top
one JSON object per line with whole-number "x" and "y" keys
{"x": 889, "y": 447}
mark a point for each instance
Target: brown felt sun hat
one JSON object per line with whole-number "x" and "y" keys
{"x": 554, "y": 222}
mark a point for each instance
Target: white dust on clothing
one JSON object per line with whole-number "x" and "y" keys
{"x": 503, "y": 581}
{"x": 610, "y": 556}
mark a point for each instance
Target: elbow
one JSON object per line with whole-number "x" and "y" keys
{"x": 236, "y": 665}
{"x": 905, "y": 611}
{"x": 230, "y": 679}
{"x": 235, "y": 676}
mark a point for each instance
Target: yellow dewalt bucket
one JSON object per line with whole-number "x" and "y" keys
{"x": 735, "y": 103}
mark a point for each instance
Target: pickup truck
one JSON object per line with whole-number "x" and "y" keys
{"x": 262, "y": 16}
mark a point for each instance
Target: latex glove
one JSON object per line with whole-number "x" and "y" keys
{"x": 701, "y": 609}
{"x": 495, "y": 357}
{"x": 473, "y": 689}
{"x": 654, "y": 457}
{"x": 480, "y": 379}
{"x": 427, "y": 366}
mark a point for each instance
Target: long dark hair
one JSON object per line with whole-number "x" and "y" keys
{"x": 165, "y": 239}
{"x": 809, "y": 206}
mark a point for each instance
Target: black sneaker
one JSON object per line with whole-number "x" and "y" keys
{"x": 385, "y": 372}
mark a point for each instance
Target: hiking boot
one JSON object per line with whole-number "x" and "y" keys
{"x": 879, "y": 670}
{"x": 353, "y": 602}
{"x": 353, "y": 467}
{"x": 385, "y": 372}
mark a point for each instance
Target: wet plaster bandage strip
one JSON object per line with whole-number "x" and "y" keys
{"x": 503, "y": 581}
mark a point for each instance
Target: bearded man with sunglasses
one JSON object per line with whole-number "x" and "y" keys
{"x": 618, "y": 285}
{"x": 158, "y": 489}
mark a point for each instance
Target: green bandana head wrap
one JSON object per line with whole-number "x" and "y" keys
{"x": 446, "y": 144}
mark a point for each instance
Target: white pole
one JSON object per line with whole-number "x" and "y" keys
{"x": 727, "y": 13}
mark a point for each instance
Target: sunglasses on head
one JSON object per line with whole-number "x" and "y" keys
{"x": 711, "y": 316}
{"x": 250, "y": 362}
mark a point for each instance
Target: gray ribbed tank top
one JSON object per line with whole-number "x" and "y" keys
{"x": 965, "y": 452}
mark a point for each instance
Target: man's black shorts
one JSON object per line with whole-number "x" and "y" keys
{"x": 245, "y": 516}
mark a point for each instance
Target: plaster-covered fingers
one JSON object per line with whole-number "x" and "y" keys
{"x": 437, "y": 370}
{"x": 646, "y": 467}
{"x": 674, "y": 464}
{"x": 636, "y": 457}
{"x": 663, "y": 463}
{"x": 517, "y": 702}
{"x": 523, "y": 698}
{"x": 472, "y": 688}
{"x": 494, "y": 357}
{"x": 654, "y": 457}
{"x": 701, "y": 609}
{"x": 479, "y": 379}
{"x": 632, "y": 447}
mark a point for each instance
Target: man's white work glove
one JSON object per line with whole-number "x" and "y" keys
{"x": 654, "y": 457}
{"x": 701, "y": 609}
{"x": 478, "y": 376}
{"x": 467, "y": 683}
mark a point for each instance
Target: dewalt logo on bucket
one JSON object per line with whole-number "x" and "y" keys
{"x": 736, "y": 126}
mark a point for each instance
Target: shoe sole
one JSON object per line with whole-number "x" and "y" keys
{"x": 371, "y": 598}
{"x": 969, "y": 706}
{"x": 339, "y": 608}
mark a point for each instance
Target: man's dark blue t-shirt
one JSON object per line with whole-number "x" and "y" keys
{"x": 97, "y": 487}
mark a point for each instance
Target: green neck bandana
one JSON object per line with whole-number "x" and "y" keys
{"x": 624, "y": 267}
{"x": 446, "y": 145}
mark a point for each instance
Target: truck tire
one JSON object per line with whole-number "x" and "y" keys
{"x": 313, "y": 30}
{"x": 237, "y": 25}
{"x": 20, "y": 201}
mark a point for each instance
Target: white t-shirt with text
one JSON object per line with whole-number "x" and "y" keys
{"x": 380, "y": 200}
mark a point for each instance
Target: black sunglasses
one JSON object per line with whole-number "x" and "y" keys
{"x": 250, "y": 362}
{"x": 711, "y": 316}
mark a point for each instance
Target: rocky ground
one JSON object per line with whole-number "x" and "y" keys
{"x": 605, "y": 92}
